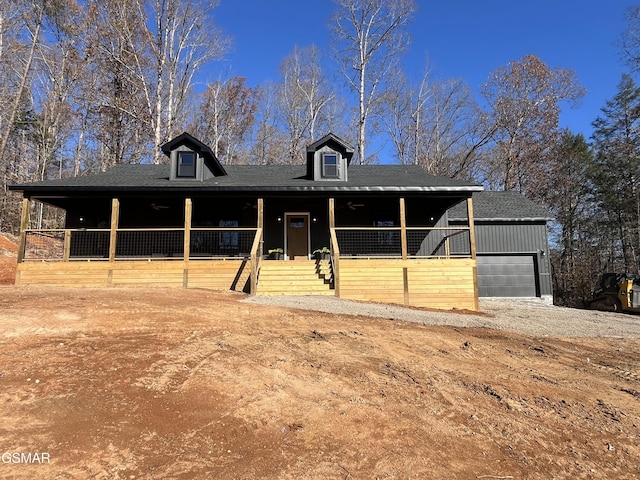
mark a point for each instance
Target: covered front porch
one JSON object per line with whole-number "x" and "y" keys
{"x": 384, "y": 248}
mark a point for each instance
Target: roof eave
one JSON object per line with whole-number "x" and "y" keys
{"x": 243, "y": 188}
{"x": 504, "y": 219}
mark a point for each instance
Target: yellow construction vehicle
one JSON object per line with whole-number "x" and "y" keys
{"x": 616, "y": 292}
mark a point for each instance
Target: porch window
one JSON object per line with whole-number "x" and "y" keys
{"x": 385, "y": 238}
{"x": 330, "y": 165}
{"x": 186, "y": 164}
{"x": 228, "y": 240}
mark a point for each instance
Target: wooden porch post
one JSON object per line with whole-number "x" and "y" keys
{"x": 67, "y": 245}
{"x": 336, "y": 250}
{"x": 403, "y": 229}
{"x": 256, "y": 257}
{"x": 332, "y": 213}
{"x": 472, "y": 241}
{"x": 403, "y": 243}
{"x": 188, "y": 209}
{"x": 261, "y": 213}
{"x": 24, "y": 224}
{"x": 472, "y": 229}
{"x": 113, "y": 235}
{"x": 115, "y": 219}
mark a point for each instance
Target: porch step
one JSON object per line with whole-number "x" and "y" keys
{"x": 299, "y": 277}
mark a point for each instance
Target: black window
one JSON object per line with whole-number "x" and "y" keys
{"x": 229, "y": 239}
{"x": 186, "y": 164}
{"x": 386, "y": 237}
{"x": 330, "y": 165}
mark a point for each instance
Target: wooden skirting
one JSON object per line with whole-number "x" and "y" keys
{"x": 443, "y": 284}
{"x": 217, "y": 274}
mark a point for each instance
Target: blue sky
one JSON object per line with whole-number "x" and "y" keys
{"x": 458, "y": 39}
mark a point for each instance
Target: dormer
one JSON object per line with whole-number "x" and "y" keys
{"x": 191, "y": 159}
{"x": 328, "y": 159}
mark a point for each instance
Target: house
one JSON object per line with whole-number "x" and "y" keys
{"x": 197, "y": 223}
{"x": 512, "y": 248}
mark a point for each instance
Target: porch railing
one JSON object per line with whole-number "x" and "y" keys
{"x": 386, "y": 242}
{"x": 221, "y": 243}
{"x": 138, "y": 243}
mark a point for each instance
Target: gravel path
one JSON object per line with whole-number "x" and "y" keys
{"x": 525, "y": 316}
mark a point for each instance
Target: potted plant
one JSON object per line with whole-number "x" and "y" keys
{"x": 322, "y": 253}
{"x": 276, "y": 254}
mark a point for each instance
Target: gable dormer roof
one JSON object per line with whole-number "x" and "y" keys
{"x": 335, "y": 143}
{"x": 185, "y": 139}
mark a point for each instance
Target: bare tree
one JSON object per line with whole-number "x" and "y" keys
{"x": 435, "y": 125}
{"x": 395, "y": 116}
{"x": 115, "y": 92}
{"x": 183, "y": 39}
{"x": 20, "y": 39}
{"x": 524, "y": 98}
{"x": 371, "y": 34}
{"x": 630, "y": 40}
{"x": 268, "y": 139}
{"x": 225, "y": 117}
{"x": 151, "y": 51}
{"x": 304, "y": 93}
{"x": 292, "y": 107}
{"x": 60, "y": 70}
{"x": 32, "y": 19}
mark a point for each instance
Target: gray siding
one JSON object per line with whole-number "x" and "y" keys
{"x": 511, "y": 238}
{"x": 516, "y": 238}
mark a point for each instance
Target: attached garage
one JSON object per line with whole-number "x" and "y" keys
{"x": 506, "y": 276}
{"x": 511, "y": 243}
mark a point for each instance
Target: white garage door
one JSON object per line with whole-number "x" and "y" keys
{"x": 506, "y": 276}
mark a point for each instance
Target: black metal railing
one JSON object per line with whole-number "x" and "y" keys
{"x": 149, "y": 243}
{"x": 141, "y": 243}
{"x": 169, "y": 243}
{"x": 219, "y": 242}
{"x": 421, "y": 242}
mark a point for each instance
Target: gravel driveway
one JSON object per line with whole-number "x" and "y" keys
{"x": 526, "y": 316}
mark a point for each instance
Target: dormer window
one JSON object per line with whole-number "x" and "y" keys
{"x": 186, "y": 165}
{"x": 191, "y": 159}
{"x": 328, "y": 159}
{"x": 330, "y": 165}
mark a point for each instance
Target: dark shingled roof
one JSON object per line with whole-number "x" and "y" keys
{"x": 500, "y": 206}
{"x": 138, "y": 178}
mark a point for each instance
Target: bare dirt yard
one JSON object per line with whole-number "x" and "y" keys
{"x": 180, "y": 384}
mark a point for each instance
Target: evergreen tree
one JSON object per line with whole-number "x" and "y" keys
{"x": 569, "y": 201}
{"x": 615, "y": 173}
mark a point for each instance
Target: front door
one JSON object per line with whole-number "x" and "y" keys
{"x": 297, "y": 235}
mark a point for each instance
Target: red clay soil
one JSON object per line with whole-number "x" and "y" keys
{"x": 8, "y": 250}
{"x": 181, "y": 384}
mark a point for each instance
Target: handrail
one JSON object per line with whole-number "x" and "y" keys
{"x": 397, "y": 229}
{"x": 256, "y": 257}
{"x": 59, "y": 230}
{"x": 447, "y": 245}
{"x": 335, "y": 260}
